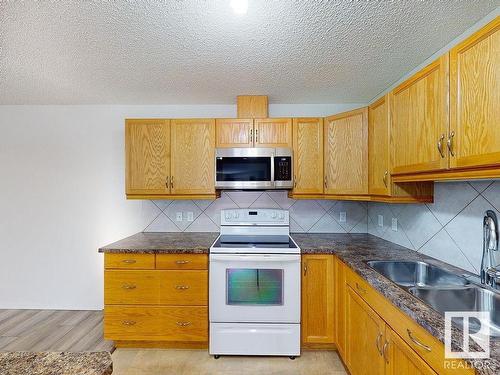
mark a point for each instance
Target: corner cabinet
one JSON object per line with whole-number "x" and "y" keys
{"x": 308, "y": 155}
{"x": 170, "y": 158}
{"x": 318, "y": 301}
{"x": 346, "y": 153}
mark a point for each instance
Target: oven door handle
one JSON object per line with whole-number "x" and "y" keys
{"x": 255, "y": 258}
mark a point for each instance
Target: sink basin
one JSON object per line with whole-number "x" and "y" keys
{"x": 470, "y": 298}
{"x": 413, "y": 273}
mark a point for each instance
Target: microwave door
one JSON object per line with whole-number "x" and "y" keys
{"x": 244, "y": 172}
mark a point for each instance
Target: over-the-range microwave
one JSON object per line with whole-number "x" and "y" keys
{"x": 253, "y": 168}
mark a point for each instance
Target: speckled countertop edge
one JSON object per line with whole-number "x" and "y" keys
{"x": 55, "y": 363}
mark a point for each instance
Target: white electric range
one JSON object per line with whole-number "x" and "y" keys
{"x": 254, "y": 285}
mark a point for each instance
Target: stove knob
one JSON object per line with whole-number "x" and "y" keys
{"x": 228, "y": 215}
{"x": 282, "y": 215}
{"x": 273, "y": 215}
{"x": 236, "y": 214}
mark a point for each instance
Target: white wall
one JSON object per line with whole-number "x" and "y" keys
{"x": 62, "y": 196}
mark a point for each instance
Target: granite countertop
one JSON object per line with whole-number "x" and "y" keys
{"x": 55, "y": 363}
{"x": 355, "y": 249}
{"x": 161, "y": 243}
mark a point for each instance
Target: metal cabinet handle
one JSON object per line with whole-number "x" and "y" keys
{"x": 416, "y": 342}
{"x": 385, "y": 178}
{"x": 172, "y": 182}
{"x": 182, "y": 287}
{"x": 167, "y": 182}
{"x": 129, "y": 261}
{"x": 129, "y": 322}
{"x": 294, "y": 181}
{"x": 377, "y": 342}
{"x": 449, "y": 143}
{"x": 181, "y": 261}
{"x": 440, "y": 145}
{"x": 305, "y": 269}
{"x": 251, "y": 135}
{"x": 362, "y": 290}
{"x": 326, "y": 183}
{"x": 256, "y": 136}
{"x": 385, "y": 351}
{"x": 183, "y": 324}
{"x": 129, "y": 286}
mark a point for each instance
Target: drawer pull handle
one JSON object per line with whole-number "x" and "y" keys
{"x": 129, "y": 286}
{"x": 181, "y": 261}
{"x": 129, "y": 261}
{"x": 379, "y": 349}
{"x": 416, "y": 342}
{"x": 183, "y": 324}
{"x": 362, "y": 290}
{"x": 385, "y": 351}
{"x": 182, "y": 287}
{"x": 440, "y": 145}
{"x": 129, "y": 322}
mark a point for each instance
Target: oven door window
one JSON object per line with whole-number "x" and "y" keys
{"x": 246, "y": 286}
{"x": 243, "y": 168}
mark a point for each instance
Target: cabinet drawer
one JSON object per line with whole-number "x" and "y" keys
{"x": 184, "y": 288}
{"x": 156, "y": 323}
{"x": 182, "y": 261}
{"x": 131, "y": 287}
{"x": 130, "y": 261}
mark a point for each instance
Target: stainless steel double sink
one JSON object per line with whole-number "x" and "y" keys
{"x": 442, "y": 290}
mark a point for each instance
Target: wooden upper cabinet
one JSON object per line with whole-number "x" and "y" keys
{"x": 193, "y": 156}
{"x": 252, "y": 106}
{"x": 475, "y": 99}
{"x": 378, "y": 148}
{"x": 365, "y": 334}
{"x": 308, "y": 155}
{"x": 273, "y": 132}
{"x": 147, "y": 150}
{"x": 234, "y": 132}
{"x": 346, "y": 153}
{"x": 318, "y": 299}
{"x": 401, "y": 359}
{"x": 419, "y": 120}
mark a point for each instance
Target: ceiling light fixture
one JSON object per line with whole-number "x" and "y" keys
{"x": 239, "y": 6}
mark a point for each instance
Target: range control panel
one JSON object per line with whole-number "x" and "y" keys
{"x": 259, "y": 216}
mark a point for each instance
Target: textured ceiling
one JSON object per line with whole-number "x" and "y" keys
{"x": 187, "y": 51}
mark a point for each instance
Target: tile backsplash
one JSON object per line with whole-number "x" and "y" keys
{"x": 450, "y": 229}
{"x": 314, "y": 216}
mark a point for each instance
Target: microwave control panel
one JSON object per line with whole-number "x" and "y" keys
{"x": 282, "y": 168}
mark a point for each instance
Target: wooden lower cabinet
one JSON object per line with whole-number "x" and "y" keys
{"x": 401, "y": 359}
{"x": 156, "y": 300}
{"x": 365, "y": 333}
{"x": 318, "y": 301}
{"x": 340, "y": 306}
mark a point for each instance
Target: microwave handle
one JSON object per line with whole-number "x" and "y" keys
{"x": 272, "y": 169}
{"x": 254, "y": 258}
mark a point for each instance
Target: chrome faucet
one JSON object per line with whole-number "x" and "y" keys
{"x": 490, "y": 265}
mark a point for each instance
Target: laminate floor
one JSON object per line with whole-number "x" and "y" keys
{"x": 52, "y": 330}
{"x": 198, "y": 362}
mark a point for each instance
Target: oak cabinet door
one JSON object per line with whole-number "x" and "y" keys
{"x": 147, "y": 150}
{"x": 364, "y": 332}
{"x": 193, "y": 156}
{"x": 308, "y": 155}
{"x": 318, "y": 288}
{"x": 419, "y": 120}
{"x": 234, "y": 132}
{"x": 401, "y": 359}
{"x": 475, "y": 99}
{"x": 378, "y": 148}
{"x": 346, "y": 153}
{"x": 273, "y": 132}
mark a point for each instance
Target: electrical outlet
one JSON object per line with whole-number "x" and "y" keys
{"x": 178, "y": 216}
{"x": 380, "y": 220}
{"x": 343, "y": 217}
{"x": 190, "y": 216}
{"x": 394, "y": 224}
